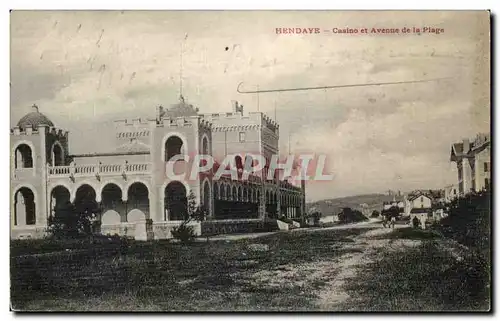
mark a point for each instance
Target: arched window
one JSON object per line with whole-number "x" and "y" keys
{"x": 176, "y": 201}
{"x": 173, "y": 146}
{"x": 239, "y": 163}
{"x": 216, "y": 191}
{"x": 57, "y": 155}
{"x": 235, "y": 194}
{"x": 23, "y": 157}
{"x": 204, "y": 144}
{"x": 24, "y": 207}
{"x": 206, "y": 196}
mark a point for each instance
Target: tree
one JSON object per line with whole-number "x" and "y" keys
{"x": 375, "y": 213}
{"x": 70, "y": 220}
{"x": 194, "y": 212}
{"x": 391, "y": 212}
{"x": 348, "y": 215}
{"x": 316, "y": 216}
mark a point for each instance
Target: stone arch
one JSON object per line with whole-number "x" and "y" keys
{"x": 59, "y": 196}
{"x": 234, "y": 194}
{"x": 240, "y": 194}
{"x": 24, "y": 155}
{"x": 57, "y": 154}
{"x": 85, "y": 199}
{"x": 117, "y": 183}
{"x": 223, "y": 191}
{"x": 24, "y": 205}
{"x": 245, "y": 194}
{"x": 110, "y": 217}
{"x": 175, "y": 201}
{"x": 207, "y": 193}
{"x": 216, "y": 191}
{"x": 205, "y": 145}
{"x": 137, "y": 201}
{"x": 111, "y": 194}
{"x": 133, "y": 181}
{"x": 238, "y": 161}
{"x": 75, "y": 189}
{"x": 179, "y": 145}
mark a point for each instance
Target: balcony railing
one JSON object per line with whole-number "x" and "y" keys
{"x": 99, "y": 169}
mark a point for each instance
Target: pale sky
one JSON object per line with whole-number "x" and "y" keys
{"x": 84, "y": 69}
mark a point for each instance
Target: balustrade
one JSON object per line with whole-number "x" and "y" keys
{"x": 99, "y": 169}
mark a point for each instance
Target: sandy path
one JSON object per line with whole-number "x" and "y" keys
{"x": 333, "y": 294}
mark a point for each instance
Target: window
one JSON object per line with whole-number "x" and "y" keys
{"x": 242, "y": 137}
{"x": 486, "y": 167}
{"x": 487, "y": 183}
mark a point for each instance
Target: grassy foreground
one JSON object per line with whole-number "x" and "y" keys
{"x": 435, "y": 275}
{"x": 163, "y": 276}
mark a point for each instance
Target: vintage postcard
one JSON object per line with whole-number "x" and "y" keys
{"x": 250, "y": 161}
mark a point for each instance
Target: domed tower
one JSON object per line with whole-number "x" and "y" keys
{"x": 180, "y": 132}
{"x": 35, "y": 145}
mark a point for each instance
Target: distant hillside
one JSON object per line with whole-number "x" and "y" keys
{"x": 334, "y": 206}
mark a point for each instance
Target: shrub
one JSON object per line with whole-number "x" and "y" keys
{"x": 184, "y": 233}
{"x": 375, "y": 213}
{"x": 316, "y": 216}
{"x": 349, "y": 215}
{"x": 69, "y": 221}
{"x": 469, "y": 221}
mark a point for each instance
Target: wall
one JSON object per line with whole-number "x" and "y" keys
{"x": 32, "y": 178}
{"x": 111, "y": 159}
{"x": 480, "y": 175}
{"x": 421, "y": 202}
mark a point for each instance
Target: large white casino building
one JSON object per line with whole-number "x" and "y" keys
{"x": 129, "y": 184}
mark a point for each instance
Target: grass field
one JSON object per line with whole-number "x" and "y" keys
{"x": 159, "y": 276}
{"x": 436, "y": 275}
{"x": 388, "y": 270}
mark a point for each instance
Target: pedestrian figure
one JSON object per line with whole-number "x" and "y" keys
{"x": 384, "y": 221}
{"x": 415, "y": 222}
{"x": 393, "y": 221}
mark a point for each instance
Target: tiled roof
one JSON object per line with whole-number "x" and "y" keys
{"x": 181, "y": 109}
{"x": 34, "y": 119}
{"x": 134, "y": 146}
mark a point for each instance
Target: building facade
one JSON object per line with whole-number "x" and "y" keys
{"x": 473, "y": 163}
{"x": 130, "y": 184}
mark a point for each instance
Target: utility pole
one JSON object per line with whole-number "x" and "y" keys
{"x": 275, "y": 117}
{"x": 181, "y": 65}
{"x": 289, "y": 135}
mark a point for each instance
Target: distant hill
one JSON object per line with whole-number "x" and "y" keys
{"x": 334, "y": 206}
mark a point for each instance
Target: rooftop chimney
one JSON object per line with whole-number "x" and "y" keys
{"x": 466, "y": 145}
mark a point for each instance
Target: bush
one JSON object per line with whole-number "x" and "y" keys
{"x": 375, "y": 213}
{"x": 469, "y": 221}
{"x": 316, "y": 216}
{"x": 184, "y": 233}
{"x": 70, "y": 221}
{"x": 351, "y": 216}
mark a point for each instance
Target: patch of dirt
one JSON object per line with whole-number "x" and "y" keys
{"x": 333, "y": 294}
